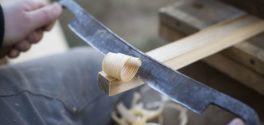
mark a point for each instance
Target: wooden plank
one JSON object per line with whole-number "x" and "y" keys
{"x": 254, "y": 7}
{"x": 190, "y": 18}
{"x": 236, "y": 68}
{"x": 250, "y": 54}
{"x": 201, "y": 44}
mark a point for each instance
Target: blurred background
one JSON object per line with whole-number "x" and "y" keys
{"x": 134, "y": 20}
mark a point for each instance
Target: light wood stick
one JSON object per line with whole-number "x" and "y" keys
{"x": 195, "y": 47}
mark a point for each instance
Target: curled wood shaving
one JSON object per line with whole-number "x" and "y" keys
{"x": 121, "y": 67}
{"x": 119, "y": 121}
{"x": 138, "y": 115}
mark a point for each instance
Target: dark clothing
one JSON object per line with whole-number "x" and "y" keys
{"x": 2, "y": 26}
{"x": 56, "y": 90}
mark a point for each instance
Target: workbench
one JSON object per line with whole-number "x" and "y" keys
{"x": 241, "y": 66}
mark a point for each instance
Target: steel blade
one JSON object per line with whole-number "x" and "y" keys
{"x": 180, "y": 88}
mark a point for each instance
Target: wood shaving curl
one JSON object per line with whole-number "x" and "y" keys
{"x": 121, "y": 67}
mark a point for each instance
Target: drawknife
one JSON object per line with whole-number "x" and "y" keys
{"x": 190, "y": 93}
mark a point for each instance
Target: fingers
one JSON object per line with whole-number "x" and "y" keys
{"x": 4, "y": 51}
{"x": 23, "y": 46}
{"x": 45, "y": 15}
{"x": 13, "y": 53}
{"x": 49, "y": 27}
{"x": 18, "y": 48}
{"x": 33, "y": 4}
{"x": 41, "y": 18}
{"x": 236, "y": 122}
{"x": 36, "y": 36}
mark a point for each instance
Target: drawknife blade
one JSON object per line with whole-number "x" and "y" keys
{"x": 180, "y": 88}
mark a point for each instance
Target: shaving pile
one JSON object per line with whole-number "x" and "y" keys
{"x": 121, "y": 67}
{"x": 138, "y": 115}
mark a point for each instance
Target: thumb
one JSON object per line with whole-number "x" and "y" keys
{"x": 45, "y": 15}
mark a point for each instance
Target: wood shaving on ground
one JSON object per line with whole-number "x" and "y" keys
{"x": 138, "y": 115}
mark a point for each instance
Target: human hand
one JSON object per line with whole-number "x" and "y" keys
{"x": 25, "y": 23}
{"x": 236, "y": 122}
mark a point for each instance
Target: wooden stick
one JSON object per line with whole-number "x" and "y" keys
{"x": 241, "y": 59}
{"x": 195, "y": 47}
